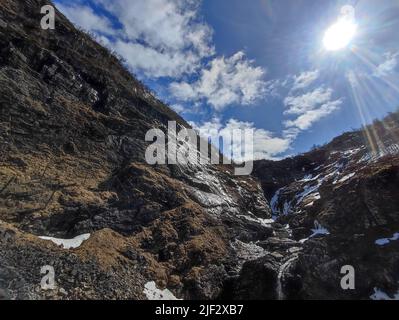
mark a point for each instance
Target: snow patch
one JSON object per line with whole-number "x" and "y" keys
{"x": 309, "y": 178}
{"x": 381, "y": 295}
{"x": 318, "y": 230}
{"x": 287, "y": 208}
{"x": 274, "y": 202}
{"x": 384, "y": 241}
{"x": 346, "y": 178}
{"x": 309, "y": 190}
{"x": 263, "y": 222}
{"x": 316, "y": 196}
{"x": 351, "y": 152}
{"x": 68, "y": 243}
{"x": 153, "y": 293}
{"x": 216, "y": 196}
{"x": 392, "y": 149}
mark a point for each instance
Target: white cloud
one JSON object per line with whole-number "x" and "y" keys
{"x": 273, "y": 87}
{"x": 167, "y": 38}
{"x": 265, "y": 144}
{"x": 158, "y": 38}
{"x": 309, "y": 117}
{"x": 87, "y": 19}
{"x": 183, "y": 91}
{"x": 178, "y": 108}
{"x": 232, "y": 80}
{"x": 155, "y": 64}
{"x": 309, "y": 108}
{"x": 291, "y": 133}
{"x": 164, "y": 24}
{"x": 308, "y": 101}
{"x": 305, "y": 79}
{"x": 388, "y": 66}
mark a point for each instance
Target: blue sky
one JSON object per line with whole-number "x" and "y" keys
{"x": 257, "y": 64}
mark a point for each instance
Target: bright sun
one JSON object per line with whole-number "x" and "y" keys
{"x": 339, "y": 35}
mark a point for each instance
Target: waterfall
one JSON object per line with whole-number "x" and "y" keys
{"x": 280, "y": 276}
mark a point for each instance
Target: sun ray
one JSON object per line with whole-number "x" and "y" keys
{"x": 361, "y": 54}
{"x": 361, "y": 106}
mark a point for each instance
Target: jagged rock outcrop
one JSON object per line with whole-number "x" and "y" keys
{"x": 341, "y": 202}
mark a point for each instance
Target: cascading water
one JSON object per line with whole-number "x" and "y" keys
{"x": 280, "y": 276}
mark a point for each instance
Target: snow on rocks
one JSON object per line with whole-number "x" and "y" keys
{"x": 68, "y": 243}
{"x": 153, "y": 293}
{"x": 392, "y": 149}
{"x": 216, "y": 196}
{"x": 351, "y": 152}
{"x": 262, "y": 222}
{"x": 274, "y": 202}
{"x": 309, "y": 178}
{"x": 310, "y": 191}
{"x": 287, "y": 208}
{"x": 318, "y": 230}
{"x": 274, "y": 205}
{"x": 385, "y": 241}
{"x": 345, "y": 178}
{"x": 381, "y": 295}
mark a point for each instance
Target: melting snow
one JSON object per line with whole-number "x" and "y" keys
{"x": 153, "y": 293}
{"x": 374, "y": 156}
{"x": 351, "y": 152}
{"x": 274, "y": 202}
{"x": 319, "y": 229}
{"x": 309, "y": 177}
{"x": 309, "y": 190}
{"x": 217, "y": 195}
{"x": 384, "y": 241}
{"x": 263, "y": 222}
{"x": 347, "y": 177}
{"x": 68, "y": 243}
{"x": 287, "y": 208}
{"x": 381, "y": 295}
{"x": 274, "y": 205}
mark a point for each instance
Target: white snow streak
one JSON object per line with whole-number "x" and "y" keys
{"x": 68, "y": 243}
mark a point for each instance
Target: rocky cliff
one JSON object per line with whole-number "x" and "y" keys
{"x": 73, "y": 125}
{"x": 72, "y": 136}
{"x": 341, "y": 203}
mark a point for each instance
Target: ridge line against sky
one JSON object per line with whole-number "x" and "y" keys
{"x": 259, "y": 65}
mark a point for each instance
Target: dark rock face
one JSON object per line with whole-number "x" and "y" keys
{"x": 72, "y": 139}
{"x": 73, "y": 125}
{"x": 339, "y": 200}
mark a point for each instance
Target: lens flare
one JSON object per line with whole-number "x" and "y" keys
{"x": 340, "y": 34}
